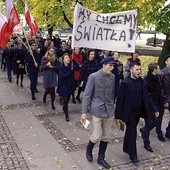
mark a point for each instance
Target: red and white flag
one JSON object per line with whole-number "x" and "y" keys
{"x": 30, "y": 21}
{"x": 12, "y": 15}
{"x": 4, "y": 35}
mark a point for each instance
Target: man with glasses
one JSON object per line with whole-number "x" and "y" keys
{"x": 98, "y": 100}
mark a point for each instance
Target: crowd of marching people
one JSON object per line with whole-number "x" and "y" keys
{"x": 69, "y": 72}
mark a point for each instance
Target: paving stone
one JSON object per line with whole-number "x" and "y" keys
{"x": 9, "y": 149}
{"x": 65, "y": 135}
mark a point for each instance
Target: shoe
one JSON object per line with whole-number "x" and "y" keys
{"x": 78, "y": 99}
{"x": 53, "y": 107}
{"x": 10, "y": 80}
{"x": 89, "y": 150}
{"x": 135, "y": 160}
{"x": 166, "y": 135}
{"x": 103, "y": 163}
{"x": 44, "y": 99}
{"x": 36, "y": 91}
{"x": 17, "y": 82}
{"x": 67, "y": 119}
{"x": 73, "y": 100}
{"x": 101, "y": 155}
{"x": 161, "y": 138}
{"x": 148, "y": 148}
{"x": 126, "y": 151}
{"x": 22, "y": 85}
{"x": 33, "y": 97}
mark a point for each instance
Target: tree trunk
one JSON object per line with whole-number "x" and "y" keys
{"x": 165, "y": 51}
{"x": 67, "y": 20}
{"x": 50, "y": 31}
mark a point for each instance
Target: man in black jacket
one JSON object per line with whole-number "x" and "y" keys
{"x": 154, "y": 89}
{"x": 8, "y": 57}
{"x": 165, "y": 86}
{"x": 32, "y": 61}
{"x": 133, "y": 102}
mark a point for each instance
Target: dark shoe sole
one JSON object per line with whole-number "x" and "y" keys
{"x": 33, "y": 98}
{"x": 149, "y": 149}
{"x": 126, "y": 151}
{"x": 90, "y": 159}
{"x": 162, "y": 139}
{"x": 52, "y": 107}
{"x": 107, "y": 166}
{"x": 135, "y": 161}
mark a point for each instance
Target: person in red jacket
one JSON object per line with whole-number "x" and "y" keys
{"x": 76, "y": 57}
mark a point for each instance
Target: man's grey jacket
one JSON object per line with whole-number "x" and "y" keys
{"x": 98, "y": 98}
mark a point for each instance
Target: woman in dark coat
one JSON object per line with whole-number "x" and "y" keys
{"x": 19, "y": 64}
{"x": 66, "y": 84}
{"x": 49, "y": 66}
{"x": 117, "y": 71}
{"x": 90, "y": 66}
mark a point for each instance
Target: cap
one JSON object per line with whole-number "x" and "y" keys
{"x": 168, "y": 56}
{"x": 107, "y": 60}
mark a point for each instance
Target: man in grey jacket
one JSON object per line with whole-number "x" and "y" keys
{"x": 165, "y": 84}
{"x": 98, "y": 100}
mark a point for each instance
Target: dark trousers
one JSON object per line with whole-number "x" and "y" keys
{"x": 22, "y": 77}
{"x": 51, "y": 91}
{"x": 33, "y": 81}
{"x": 168, "y": 129}
{"x": 150, "y": 123}
{"x": 129, "y": 144}
{"x": 65, "y": 103}
{"x": 9, "y": 70}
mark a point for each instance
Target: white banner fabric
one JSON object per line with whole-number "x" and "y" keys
{"x": 111, "y": 31}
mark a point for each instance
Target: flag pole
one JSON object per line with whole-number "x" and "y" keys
{"x": 29, "y": 47}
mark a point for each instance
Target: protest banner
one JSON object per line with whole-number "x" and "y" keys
{"x": 109, "y": 31}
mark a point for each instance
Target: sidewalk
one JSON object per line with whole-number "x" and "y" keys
{"x": 34, "y": 137}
